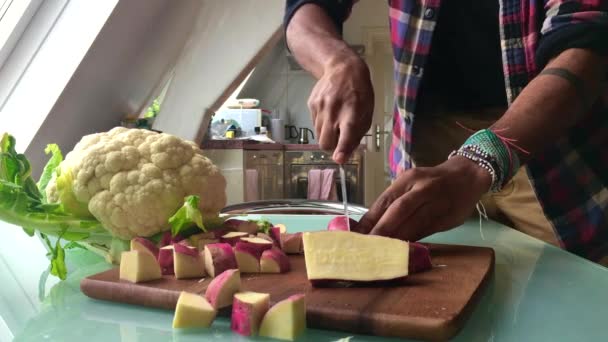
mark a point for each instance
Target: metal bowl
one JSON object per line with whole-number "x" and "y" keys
{"x": 294, "y": 207}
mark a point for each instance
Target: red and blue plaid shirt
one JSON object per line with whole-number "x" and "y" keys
{"x": 570, "y": 176}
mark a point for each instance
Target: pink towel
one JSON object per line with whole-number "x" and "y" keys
{"x": 251, "y": 185}
{"x": 328, "y": 187}
{"x": 322, "y": 185}
{"x": 314, "y": 184}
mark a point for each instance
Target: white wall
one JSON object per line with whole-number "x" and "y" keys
{"x": 366, "y": 13}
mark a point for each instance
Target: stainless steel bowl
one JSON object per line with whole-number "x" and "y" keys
{"x": 293, "y": 206}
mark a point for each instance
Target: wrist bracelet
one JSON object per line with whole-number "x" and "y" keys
{"x": 481, "y": 162}
{"x": 490, "y": 152}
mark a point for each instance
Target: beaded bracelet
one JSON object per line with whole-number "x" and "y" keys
{"x": 493, "y": 154}
{"x": 481, "y": 162}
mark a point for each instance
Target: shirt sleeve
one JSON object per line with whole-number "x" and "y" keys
{"x": 338, "y": 10}
{"x": 573, "y": 24}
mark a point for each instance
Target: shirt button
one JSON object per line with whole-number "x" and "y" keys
{"x": 429, "y": 13}
{"x": 416, "y": 70}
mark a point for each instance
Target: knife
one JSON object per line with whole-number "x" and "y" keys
{"x": 344, "y": 198}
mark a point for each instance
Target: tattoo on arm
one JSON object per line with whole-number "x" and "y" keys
{"x": 575, "y": 81}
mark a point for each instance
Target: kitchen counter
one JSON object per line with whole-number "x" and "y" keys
{"x": 232, "y": 144}
{"x": 538, "y": 293}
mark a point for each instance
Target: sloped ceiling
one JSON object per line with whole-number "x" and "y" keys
{"x": 229, "y": 39}
{"x": 130, "y": 56}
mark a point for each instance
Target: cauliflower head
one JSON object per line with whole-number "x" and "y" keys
{"x": 133, "y": 180}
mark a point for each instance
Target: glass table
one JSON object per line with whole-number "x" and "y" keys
{"x": 537, "y": 293}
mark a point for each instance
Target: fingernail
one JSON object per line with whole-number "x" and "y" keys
{"x": 339, "y": 157}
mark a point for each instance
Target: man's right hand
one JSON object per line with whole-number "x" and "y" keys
{"x": 342, "y": 101}
{"x": 342, "y": 106}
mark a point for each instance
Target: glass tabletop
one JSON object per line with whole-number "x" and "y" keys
{"x": 537, "y": 293}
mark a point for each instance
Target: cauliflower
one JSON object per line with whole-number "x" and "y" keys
{"x": 133, "y": 180}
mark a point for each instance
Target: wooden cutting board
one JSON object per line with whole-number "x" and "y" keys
{"x": 431, "y": 305}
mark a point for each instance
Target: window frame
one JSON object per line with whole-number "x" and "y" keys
{"x": 15, "y": 16}
{"x": 31, "y": 33}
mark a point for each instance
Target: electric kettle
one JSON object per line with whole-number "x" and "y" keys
{"x": 303, "y": 136}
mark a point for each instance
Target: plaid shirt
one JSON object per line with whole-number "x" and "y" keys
{"x": 570, "y": 176}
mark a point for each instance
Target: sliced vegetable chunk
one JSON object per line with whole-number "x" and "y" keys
{"x": 218, "y": 258}
{"x": 138, "y": 267}
{"x": 187, "y": 262}
{"x": 285, "y": 320}
{"x": 193, "y": 311}
{"x": 248, "y": 309}
{"x": 221, "y": 289}
{"x": 274, "y": 261}
{"x": 349, "y": 256}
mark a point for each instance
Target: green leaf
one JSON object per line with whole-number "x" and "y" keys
{"x": 263, "y": 225}
{"x": 72, "y": 245}
{"x": 58, "y": 267}
{"x": 49, "y": 168}
{"x": 21, "y": 205}
{"x": 29, "y": 231}
{"x": 187, "y": 216}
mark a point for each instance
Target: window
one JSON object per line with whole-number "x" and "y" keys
{"x": 15, "y": 15}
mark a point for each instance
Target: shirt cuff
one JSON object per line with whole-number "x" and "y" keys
{"x": 587, "y": 35}
{"x": 337, "y": 10}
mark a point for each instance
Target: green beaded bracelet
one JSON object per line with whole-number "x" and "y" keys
{"x": 495, "y": 150}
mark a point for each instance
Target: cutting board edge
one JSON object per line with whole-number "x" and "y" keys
{"x": 426, "y": 328}
{"x": 91, "y": 287}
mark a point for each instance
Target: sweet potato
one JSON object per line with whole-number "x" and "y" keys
{"x": 193, "y": 311}
{"x": 282, "y": 227}
{"x": 194, "y": 239}
{"x": 233, "y": 237}
{"x": 420, "y": 258}
{"x": 248, "y": 252}
{"x": 137, "y": 267}
{"x": 339, "y": 223}
{"x": 291, "y": 243}
{"x": 187, "y": 262}
{"x": 144, "y": 245}
{"x": 221, "y": 289}
{"x": 274, "y": 261}
{"x": 241, "y": 226}
{"x": 165, "y": 240}
{"x": 275, "y": 234}
{"x": 248, "y": 309}
{"x": 204, "y": 242}
{"x": 218, "y": 258}
{"x": 165, "y": 259}
{"x": 265, "y": 237}
{"x": 286, "y": 320}
{"x": 260, "y": 243}
{"x": 349, "y": 256}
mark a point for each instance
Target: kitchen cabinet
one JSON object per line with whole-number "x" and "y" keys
{"x": 279, "y": 171}
{"x": 265, "y": 168}
{"x": 230, "y": 162}
{"x": 240, "y": 164}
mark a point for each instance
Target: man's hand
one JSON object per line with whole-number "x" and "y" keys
{"x": 342, "y": 101}
{"x": 424, "y": 201}
{"x": 342, "y": 106}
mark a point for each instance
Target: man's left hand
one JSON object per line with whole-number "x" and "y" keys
{"x": 424, "y": 201}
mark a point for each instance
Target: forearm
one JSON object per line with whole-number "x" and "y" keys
{"x": 550, "y": 104}
{"x": 314, "y": 40}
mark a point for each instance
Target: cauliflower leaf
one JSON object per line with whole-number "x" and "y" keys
{"x": 187, "y": 216}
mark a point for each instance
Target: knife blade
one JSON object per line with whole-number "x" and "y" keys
{"x": 344, "y": 198}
